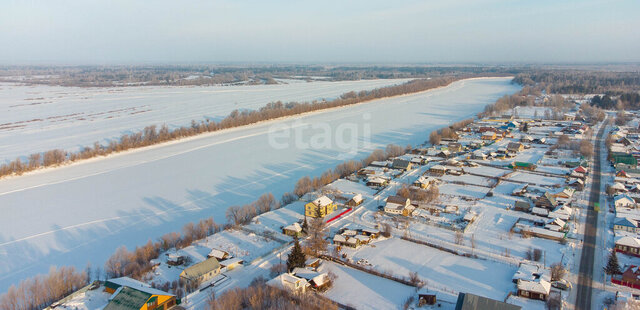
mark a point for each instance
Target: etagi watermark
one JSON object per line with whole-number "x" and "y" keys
{"x": 348, "y": 137}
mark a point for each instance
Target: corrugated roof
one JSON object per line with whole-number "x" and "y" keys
{"x": 201, "y": 268}
{"x": 467, "y": 301}
{"x": 128, "y": 298}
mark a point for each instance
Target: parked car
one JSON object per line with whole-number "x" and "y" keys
{"x": 561, "y": 284}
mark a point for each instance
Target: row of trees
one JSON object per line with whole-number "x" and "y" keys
{"x": 40, "y": 291}
{"x": 307, "y": 184}
{"x": 152, "y": 135}
{"x": 448, "y": 132}
{"x": 240, "y": 215}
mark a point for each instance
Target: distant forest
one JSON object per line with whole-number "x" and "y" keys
{"x": 616, "y": 90}
{"x": 93, "y": 76}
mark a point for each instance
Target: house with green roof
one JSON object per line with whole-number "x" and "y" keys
{"x": 520, "y": 165}
{"x": 127, "y": 298}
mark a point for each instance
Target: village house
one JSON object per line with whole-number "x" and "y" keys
{"x": 630, "y": 277}
{"x": 444, "y": 154}
{"x": 201, "y": 272}
{"x": 540, "y": 211}
{"x": 581, "y": 169}
{"x": 515, "y": 147}
{"x": 356, "y": 200}
{"x": 398, "y": 205}
{"x": 343, "y": 240}
{"x": 526, "y": 139}
{"x": 438, "y": 170}
{"x": 174, "y": 259}
{"x": 522, "y": 206}
{"x": 617, "y": 189}
{"x": 520, "y": 190}
{"x": 426, "y": 297}
{"x": 293, "y": 230}
{"x": 316, "y": 280}
{"x": 312, "y": 263}
{"x": 377, "y": 182}
{"x": 547, "y": 201}
{"x": 401, "y": 164}
{"x": 569, "y": 117}
{"x": 468, "y": 301}
{"x": 454, "y": 147}
{"x": 320, "y": 207}
{"x": 628, "y": 245}
{"x": 231, "y": 263}
{"x": 623, "y": 201}
{"x": 218, "y": 254}
{"x": 479, "y": 155}
{"x": 424, "y": 182}
{"x": 565, "y": 193}
{"x": 538, "y": 289}
{"x": 627, "y": 224}
{"x": 143, "y": 298}
{"x": 555, "y": 224}
{"x": 577, "y": 184}
{"x": 562, "y": 212}
{"x": 489, "y": 136}
{"x": 290, "y": 283}
{"x": 518, "y": 165}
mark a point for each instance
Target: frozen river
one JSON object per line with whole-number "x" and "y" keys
{"x": 81, "y": 213}
{"x": 40, "y": 118}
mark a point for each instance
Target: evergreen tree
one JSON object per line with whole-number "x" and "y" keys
{"x": 305, "y": 225}
{"x": 296, "y": 257}
{"x": 525, "y": 127}
{"x": 613, "y": 267}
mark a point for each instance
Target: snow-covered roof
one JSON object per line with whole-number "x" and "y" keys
{"x": 294, "y": 227}
{"x": 623, "y": 197}
{"x": 439, "y": 167}
{"x": 218, "y": 254}
{"x": 349, "y": 232}
{"x": 357, "y": 198}
{"x": 626, "y": 221}
{"x": 135, "y": 284}
{"x": 629, "y": 241}
{"x": 618, "y": 186}
{"x": 231, "y": 261}
{"x": 539, "y": 286}
{"x": 322, "y": 201}
{"x": 339, "y": 238}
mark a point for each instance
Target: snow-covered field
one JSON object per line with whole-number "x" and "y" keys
{"x": 442, "y": 271}
{"x": 41, "y": 118}
{"x": 82, "y": 212}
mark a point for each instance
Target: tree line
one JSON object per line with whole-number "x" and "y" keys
{"x": 580, "y": 82}
{"x": 152, "y": 135}
{"x": 40, "y": 291}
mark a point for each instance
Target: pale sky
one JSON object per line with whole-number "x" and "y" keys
{"x": 368, "y": 31}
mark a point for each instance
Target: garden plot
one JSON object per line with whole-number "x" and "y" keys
{"x": 468, "y": 179}
{"x": 440, "y": 270}
{"x": 467, "y": 191}
{"x": 361, "y": 290}
{"x": 487, "y": 171}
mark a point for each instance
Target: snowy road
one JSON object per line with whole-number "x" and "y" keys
{"x": 81, "y": 213}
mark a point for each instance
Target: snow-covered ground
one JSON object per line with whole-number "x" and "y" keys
{"x": 442, "y": 271}
{"x": 82, "y": 212}
{"x": 40, "y": 118}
